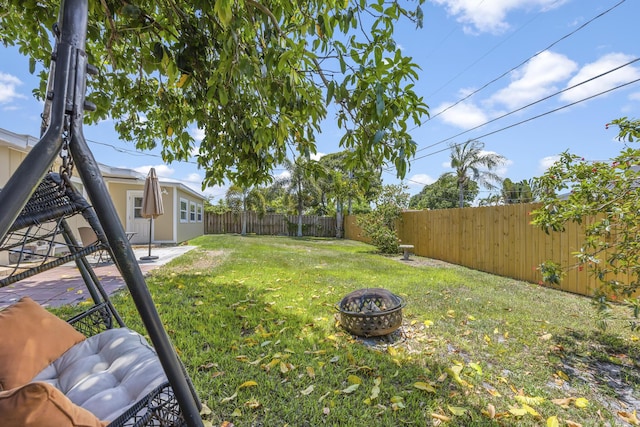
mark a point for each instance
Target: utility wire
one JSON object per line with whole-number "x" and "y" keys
{"x": 535, "y": 117}
{"x": 521, "y": 64}
{"x": 531, "y": 104}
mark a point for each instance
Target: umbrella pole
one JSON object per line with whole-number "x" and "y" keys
{"x": 149, "y": 257}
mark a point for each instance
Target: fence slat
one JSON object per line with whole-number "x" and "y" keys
{"x": 496, "y": 239}
{"x": 270, "y": 224}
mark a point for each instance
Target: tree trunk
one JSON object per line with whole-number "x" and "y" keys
{"x": 244, "y": 223}
{"x": 339, "y": 219}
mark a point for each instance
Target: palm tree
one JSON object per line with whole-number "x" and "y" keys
{"x": 472, "y": 163}
{"x": 300, "y": 184}
{"x": 241, "y": 199}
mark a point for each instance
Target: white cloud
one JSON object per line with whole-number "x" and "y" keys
{"x": 163, "y": 171}
{"x": 8, "y": 85}
{"x": 634, "y": 96}
{"x": 463, "y": 115}
{"x": 420, "y": 180}
{"x": 489, "y": 16}
{"x": 546, "y": 162}
{"x": 600, "y": 84}
{"x": 317, "y": 156}
{"x": 197, "y": 134}
{"x": 535, "y": 80}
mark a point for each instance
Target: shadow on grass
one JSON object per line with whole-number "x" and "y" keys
{"x": 258, "y": 362}
{"x": 602, "y": 361}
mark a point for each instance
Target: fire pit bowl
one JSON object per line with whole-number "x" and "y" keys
{"x": 371, "y": 312}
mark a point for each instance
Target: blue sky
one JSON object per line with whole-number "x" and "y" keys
{"x": 480, "y": 60}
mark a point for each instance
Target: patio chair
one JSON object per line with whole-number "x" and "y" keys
{"x": 89, "y": 237}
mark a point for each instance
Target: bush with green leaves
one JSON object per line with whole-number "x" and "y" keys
{"x": 605, "y": 198}
{"x": 380, "y": 224}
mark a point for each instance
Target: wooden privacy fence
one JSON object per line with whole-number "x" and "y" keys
{"x": 270, "y": 224}
{"x": 496, "y": 239}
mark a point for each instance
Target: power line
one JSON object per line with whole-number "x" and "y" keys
{"x": 532, "y": 103}
{"x": 536, "y": 116}
{"x": 521, "y": 64}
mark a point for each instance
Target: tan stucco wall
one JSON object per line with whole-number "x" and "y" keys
{"x": 118, "y": 193}
{"x": 9, "y": 161}
{"x": 163, "y": 227}
{"x": 188, "y": 230}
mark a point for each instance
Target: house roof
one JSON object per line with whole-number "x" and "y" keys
{"x": 111, "y": 173}
{"x": 119, "y": 174}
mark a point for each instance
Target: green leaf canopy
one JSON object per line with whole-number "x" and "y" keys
{"x": 257, "y": 77}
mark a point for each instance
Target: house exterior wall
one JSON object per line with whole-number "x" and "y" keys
{"x": 9, "y": 161}
{"x": 164, "y": 224}
{"x": 118, "y": 192}
{"x": 192, "y": 225}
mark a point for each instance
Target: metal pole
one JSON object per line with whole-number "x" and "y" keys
{"x": 149, "y": 257}
{"x": 122, "y": 252}
{"x": 30, "y": 172}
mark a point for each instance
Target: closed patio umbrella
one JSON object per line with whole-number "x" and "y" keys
{"x": 151, "y": 204}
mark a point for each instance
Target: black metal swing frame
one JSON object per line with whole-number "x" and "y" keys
{"x": 33, "y": 196}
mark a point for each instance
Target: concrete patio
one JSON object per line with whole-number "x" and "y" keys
{"x": 64, "y": 285}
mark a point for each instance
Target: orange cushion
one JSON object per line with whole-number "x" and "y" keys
{"x": 31, "y": 339}
{"x": 42, "y": 405}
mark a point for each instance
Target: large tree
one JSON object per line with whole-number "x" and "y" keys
{"x": 257, "y": 77}
{"x": 472, "y": 163}
{"x": 342, "y": 184}
{"x": 300, "y": 185}
{"x": 444, "y": 194}
{"x": 241, "y": 200}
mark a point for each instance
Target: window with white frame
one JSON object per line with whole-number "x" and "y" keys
{"x": 199, "y": 212}
{"x": 192, "y": 212}
{"x": 184, "y": 210}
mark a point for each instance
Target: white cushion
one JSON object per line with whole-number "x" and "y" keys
{"x": 106, "y": 373}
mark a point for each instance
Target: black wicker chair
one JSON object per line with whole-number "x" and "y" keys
{"x": 33, "y": 223}
{"x": 45, "y": 218}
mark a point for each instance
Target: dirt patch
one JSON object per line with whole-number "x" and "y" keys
{"x": 201, "y": 260}
{"x": 417, "y": 261}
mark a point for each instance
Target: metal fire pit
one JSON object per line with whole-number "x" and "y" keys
{"x": 371, "y": 312}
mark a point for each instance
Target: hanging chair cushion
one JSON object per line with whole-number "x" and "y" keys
{"x": 32, "y": 338}
{"x": 42, "y": 405}
{"x": 107, "y": 373}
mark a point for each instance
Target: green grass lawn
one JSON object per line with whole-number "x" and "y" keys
{"x": 253, "y": 319}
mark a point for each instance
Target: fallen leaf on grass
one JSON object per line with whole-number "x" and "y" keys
{"x": 350, "y": 389}
{"x": 457, "y": 410}
{"x": 490, "y": 412}
{"x": 205, "y": 410}
{"x": 252, "y": 404}
{"x": 397, "y": 403}
{"x": 311, "y": 372}
{"x": 564, "y": 402}
{"x": 307, "y": 391}
{"x": 440, "y": 417}
{"x": 247, "y": 384}
{"x": 518, "y": 412}
{"x": 529, "y": 400}
{"x": 230, "y": 398}
{"x": 553, "y": 422}
{"x": 629, "y": 417}
{"x": 354, "y": 379}
{"x": 572, "y": 423}
{"x": 236, "y": 413}
{"x": 424, "y": 386}
{"x": 530, "y": 410}
{"x": 581, "y": 402}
